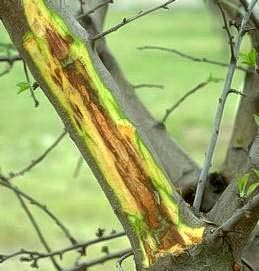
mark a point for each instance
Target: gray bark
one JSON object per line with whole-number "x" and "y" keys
{"x": 215, "y": 253}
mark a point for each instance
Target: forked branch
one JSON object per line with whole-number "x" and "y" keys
{"x": 201, "y": 85}
{"x": 105, "y": 131}
{"x": 220, "y": 110}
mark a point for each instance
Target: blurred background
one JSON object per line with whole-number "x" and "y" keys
{"x": 25, "y": 131}
{"x": 183, "y": 3}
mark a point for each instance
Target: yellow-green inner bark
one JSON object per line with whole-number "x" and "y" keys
{"x": 138, "y": 183}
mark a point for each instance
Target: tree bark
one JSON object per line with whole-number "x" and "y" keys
{"x": 116, "y": 137}
{"x": 99, "y": 121}
{"x": 244, "y": 135}
{"x": 179, "y": 166}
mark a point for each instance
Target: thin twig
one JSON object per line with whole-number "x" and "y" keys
{"x": 79, "y": 165}
{"x": 10, "y": 59}
{"x": 62, "y": 4}
{"x": 237, "y": 92}
{"x": 80, "y": 247}
{"x": 122, "y": 259}
{"x": 253, "y": 17}
{"x": 190, "y": 57}
{"x": 247, "y": 264}
{"x": 4, "y": 182}
{"x": 250, "y": 208}
{"x": 100, "y": 260}
{"x": 35, "y": 162}
{"x": 36, "y": 102}
{"x": 38, "y": 231}
{"x": 219, "y": 113}
{"x": 183, "y": 98}
{"x": 228, "y": 31}
{"x": 148, "y": 86}
{"x": 95, "y": 9}
{"x": 126, "y": 21}
{"x": 33, "y": 222}
{"x": 6, "y": 70}
{"x": 243, "y": 221}
{"x": 82, "y": 3}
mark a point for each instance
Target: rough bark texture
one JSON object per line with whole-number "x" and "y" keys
{"x": 133, "y": 158}
{"x": 102, "y": 126}
{"x": 244, "y": 135}
{"x": 181, "y": 169}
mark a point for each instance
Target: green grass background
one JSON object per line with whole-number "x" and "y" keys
{"x": 25, "y": 132}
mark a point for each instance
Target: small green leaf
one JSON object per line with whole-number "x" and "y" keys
{"x": 252, "y": 188}
{"x": 252, "y": 56}
{"x": 256, "y": 172}
{"x": 249, "y": 58}
{"x": 256, "y": 118}
{"x": 242, "y": 183}
{"x": 23, "y": 86}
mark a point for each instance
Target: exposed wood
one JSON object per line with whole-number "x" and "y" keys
{"x": 101, "y": 122}
{"x": 179, "y": 166}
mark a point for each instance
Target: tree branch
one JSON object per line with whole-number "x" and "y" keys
{"x": 190, "y": 57}
{"x": 237, "y": 161}
{"x": 148, "y": 86}
{"x": 78, "y": 167}
{"x": 90, "y": 11}
{"x": 246, "y": 212}
{"x": 122, "y": 259}
{"x": 36, "y": 102}
{"x": 38, "y": 231}
{"x": 4, "y": 182}
{"x": 126, "y": 21}
{"x": 34, "y": 256}
{"x": 237, "y": 229}
{"x": 227, "y": 28}
{"x": 94, "y": 111}
{"x": 184, "y": 97}
{"x": 10, "y": 59}
{"x": 100, "y": 260}
{"x": 38, "y": 160}
{"x": 253, "y": 17}
{"x": 179, "y": 166}
{"x": 32, "y": 220}
{"x": 219, "y": 113}
{"x": 248, "y": 264}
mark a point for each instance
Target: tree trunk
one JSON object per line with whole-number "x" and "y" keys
{"x": 103, "y": 121}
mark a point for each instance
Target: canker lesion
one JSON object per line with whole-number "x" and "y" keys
{"x": 70, "y": 76}
{"x": 59, "y": 46}
{"x": 126, "y": 159}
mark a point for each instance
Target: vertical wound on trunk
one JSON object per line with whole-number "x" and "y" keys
{"x": 137, "y": 182}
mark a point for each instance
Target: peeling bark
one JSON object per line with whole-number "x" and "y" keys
{"x": 98, "y": 120}
{"x": 179, "y": 166}
{"x": 128, "y": 152}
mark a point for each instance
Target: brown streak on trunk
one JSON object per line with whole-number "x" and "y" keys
{"x": 57, "y": 78}
{"x": 126, "y": 159}
{"x": 76, "y": 110}
{"x": 59, "y": 46}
